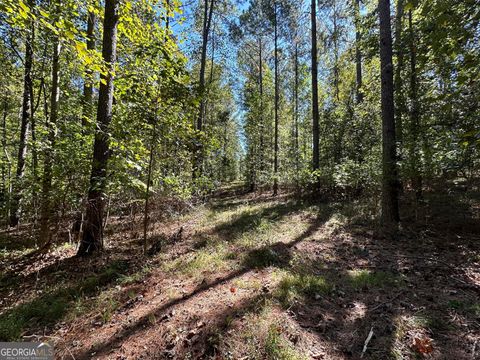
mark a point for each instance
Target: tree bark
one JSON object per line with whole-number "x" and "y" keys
{"x": 46, "y": 211}
{"x": 15, "y": 205}
{"x": 92, "y": 238}
{"x": 275, "y": 153}
{"x": 390, "y": 214}
{"x": 315, "y": 113}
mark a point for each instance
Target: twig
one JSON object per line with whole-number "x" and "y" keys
{"x": 369, "y": 337}
{"x": 474, "y": 349}
{"x": 38, "y": 337}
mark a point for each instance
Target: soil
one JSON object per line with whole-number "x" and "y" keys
{"x": 417, "y": 295}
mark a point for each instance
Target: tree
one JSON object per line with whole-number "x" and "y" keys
{"x": 26, "y": 113}
{"x": 358, "y": 52}
{"x": 390, "y": 214}
{"x": 399, "y": 98}
{"x": 207, "y": 21}
{"x": 277, "y": 99}
{"x": 49, "y": 151}
{"x": 416, "y": 177}
{"x": 87, "y": 86}
{"x": 92, "y": 238}
{"x": 315, "y": 111}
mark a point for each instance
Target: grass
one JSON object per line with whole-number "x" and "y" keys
{"x": 208, "y": 260}
{"x": 261, "y": 258}
{"x": 127, "y": 279}
{"x": 365, "y": 279}
{"x": 53, "y": 306}
{"x": 263, "y": 335}
{"x": 293, "y": 287}
{"x": 278, "y": 348}
{"x": 465, "y": 307}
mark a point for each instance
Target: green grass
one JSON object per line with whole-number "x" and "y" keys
{"x": 278, "y": 348}
{"x": 261, "y": 258}
{"x": 210, "y": 259}
{"x": 53, "y": 306}
{"x": 365, "y": 279}
{"x": 293, "y": 287}
{"x": 135, "y": 277}
{"x": 468, "y": 308}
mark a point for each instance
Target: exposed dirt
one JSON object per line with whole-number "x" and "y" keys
{"x": 297, "y": 280}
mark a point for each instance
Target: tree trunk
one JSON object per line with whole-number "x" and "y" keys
{"x": 207, "y": 20}
{"x": 315, "y": 113}
{"x": 416, "y": 176}
{"x": 262, "y": 125}
{"x": 297, "y": 160}
{"x": 336, "y": 75}
{"x": 87, "y": 85}
{"x": 275, "y": 154}
{"x": 92, "y": 238}
{"x": 358, "y": 54}
{"x": 6, "y": 163}
{"x": 15, "y": 205}
{"x": 46, "y": 210}
{"x": 390, "y": 215}
{"x": 149, "y": 179}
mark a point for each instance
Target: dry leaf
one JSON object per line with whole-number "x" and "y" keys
{"x": 423, "y": 345}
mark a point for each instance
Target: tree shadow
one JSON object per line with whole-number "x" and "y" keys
{"x": 249, "y": 221}
{"x": 253, "y": 260}
{"x": 52, "y": 306}
{"x": 404, "y": 289}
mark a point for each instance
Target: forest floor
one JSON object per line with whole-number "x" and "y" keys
{"x": 250, "y": 276}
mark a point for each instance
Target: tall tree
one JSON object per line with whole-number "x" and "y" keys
{"x": 399, "y": 98}
{"x": 207, "y": 21}
{"x": 15, "y": 205}
{"x": 87, "y": 86}
{"x": 315, "y": 112}
{"x": 390, "y": 214}
{"x": 416, "y": 177}
{"x": 49, "y": 150}
{"x": 92, "y": 238}
{"x": 358, "y": 52}
{"x": 277, "y": 100}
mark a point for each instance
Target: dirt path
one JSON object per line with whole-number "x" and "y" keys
{"x": 252, "y": 277}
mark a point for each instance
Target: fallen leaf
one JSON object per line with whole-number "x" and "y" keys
{"x": 423, "y": 345}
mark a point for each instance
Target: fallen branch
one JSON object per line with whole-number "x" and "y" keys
{"x": 367, "y": 340}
